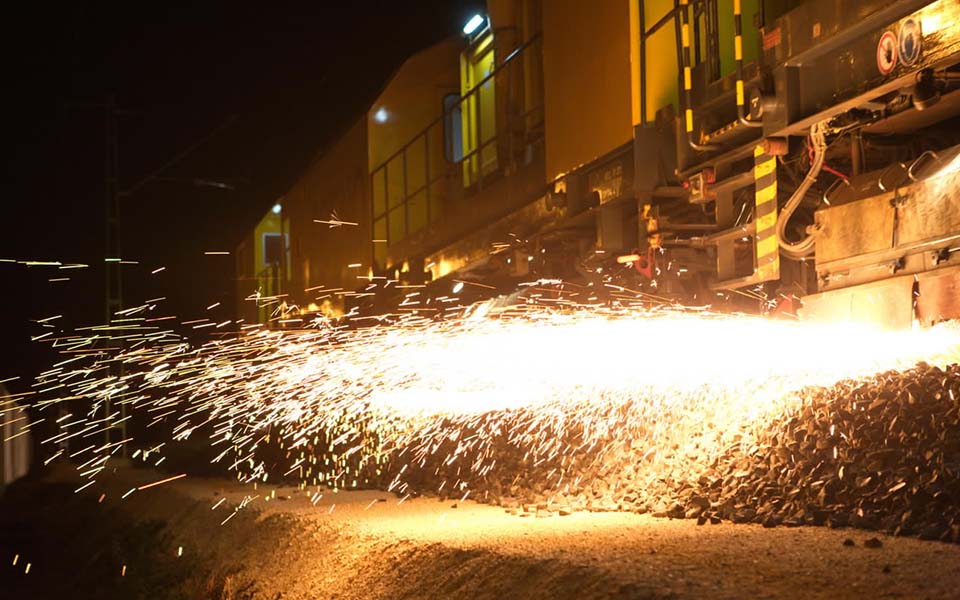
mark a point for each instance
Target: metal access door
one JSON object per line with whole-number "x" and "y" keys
{"x": 478, "y": 110}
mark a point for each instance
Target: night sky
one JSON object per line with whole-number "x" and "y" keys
{"x": 274, "y": 85}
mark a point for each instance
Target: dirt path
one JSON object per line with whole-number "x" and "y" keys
{"x": 354, "y": 545}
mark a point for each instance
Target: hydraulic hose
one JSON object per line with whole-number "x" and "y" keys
{"x": 805, "y": 247}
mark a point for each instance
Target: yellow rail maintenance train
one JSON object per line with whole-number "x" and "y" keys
{"x": 770, "y": 155}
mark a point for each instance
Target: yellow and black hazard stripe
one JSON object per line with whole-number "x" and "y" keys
{"x": 686, "y": 64}
{"x": 738, "y": 53}
{"x": 765, "y": 214}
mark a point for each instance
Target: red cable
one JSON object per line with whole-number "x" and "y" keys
{"x": 825, "y": 166}
{"x": 833, "y": 171}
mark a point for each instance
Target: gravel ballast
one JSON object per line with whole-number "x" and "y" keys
{"x": 882, "y": 453}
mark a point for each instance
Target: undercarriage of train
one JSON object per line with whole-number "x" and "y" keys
{"x": 818, "y": 181}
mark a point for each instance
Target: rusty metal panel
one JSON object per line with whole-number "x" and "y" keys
{"x": 854, "y": 229}
{"x": 887, "y": 303}
{"x": 931, "y": 210}
{"x": 939, "y": 298}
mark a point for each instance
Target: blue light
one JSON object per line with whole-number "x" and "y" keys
{"x": 475, "y": 22}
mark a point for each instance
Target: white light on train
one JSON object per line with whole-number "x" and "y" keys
{"x": 277, "y": 208}
{"x": 473, "y": 24}
{"x": 381, "y": 115}
{"x": 458, "y": 287}
{"x": 932, "y": 23}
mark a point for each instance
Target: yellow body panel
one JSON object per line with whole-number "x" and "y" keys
{"x": 661, "y": 71}
{"x": 587, "y": 79}
{"x": 750, "y": 44}
{"x": 335, "y": 182}
{"x": 412, "y": 99}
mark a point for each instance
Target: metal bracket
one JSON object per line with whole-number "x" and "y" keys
{"x": 941, "y": 256}
{"x": 885, "y": 188}
{"x": 918, "y": 161}
{"x": 897, "y": 265}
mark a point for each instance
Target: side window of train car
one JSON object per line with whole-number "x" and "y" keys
{"x": 452, "y": 128}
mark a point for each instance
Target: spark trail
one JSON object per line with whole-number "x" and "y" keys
{"x": 478, "y": 400}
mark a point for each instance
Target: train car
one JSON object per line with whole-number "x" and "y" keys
{"x": 792, "y": 156}
{"x": 263, "y": 267}
{"x": 15, "y": 443}
{"x": 816, "y": 138}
